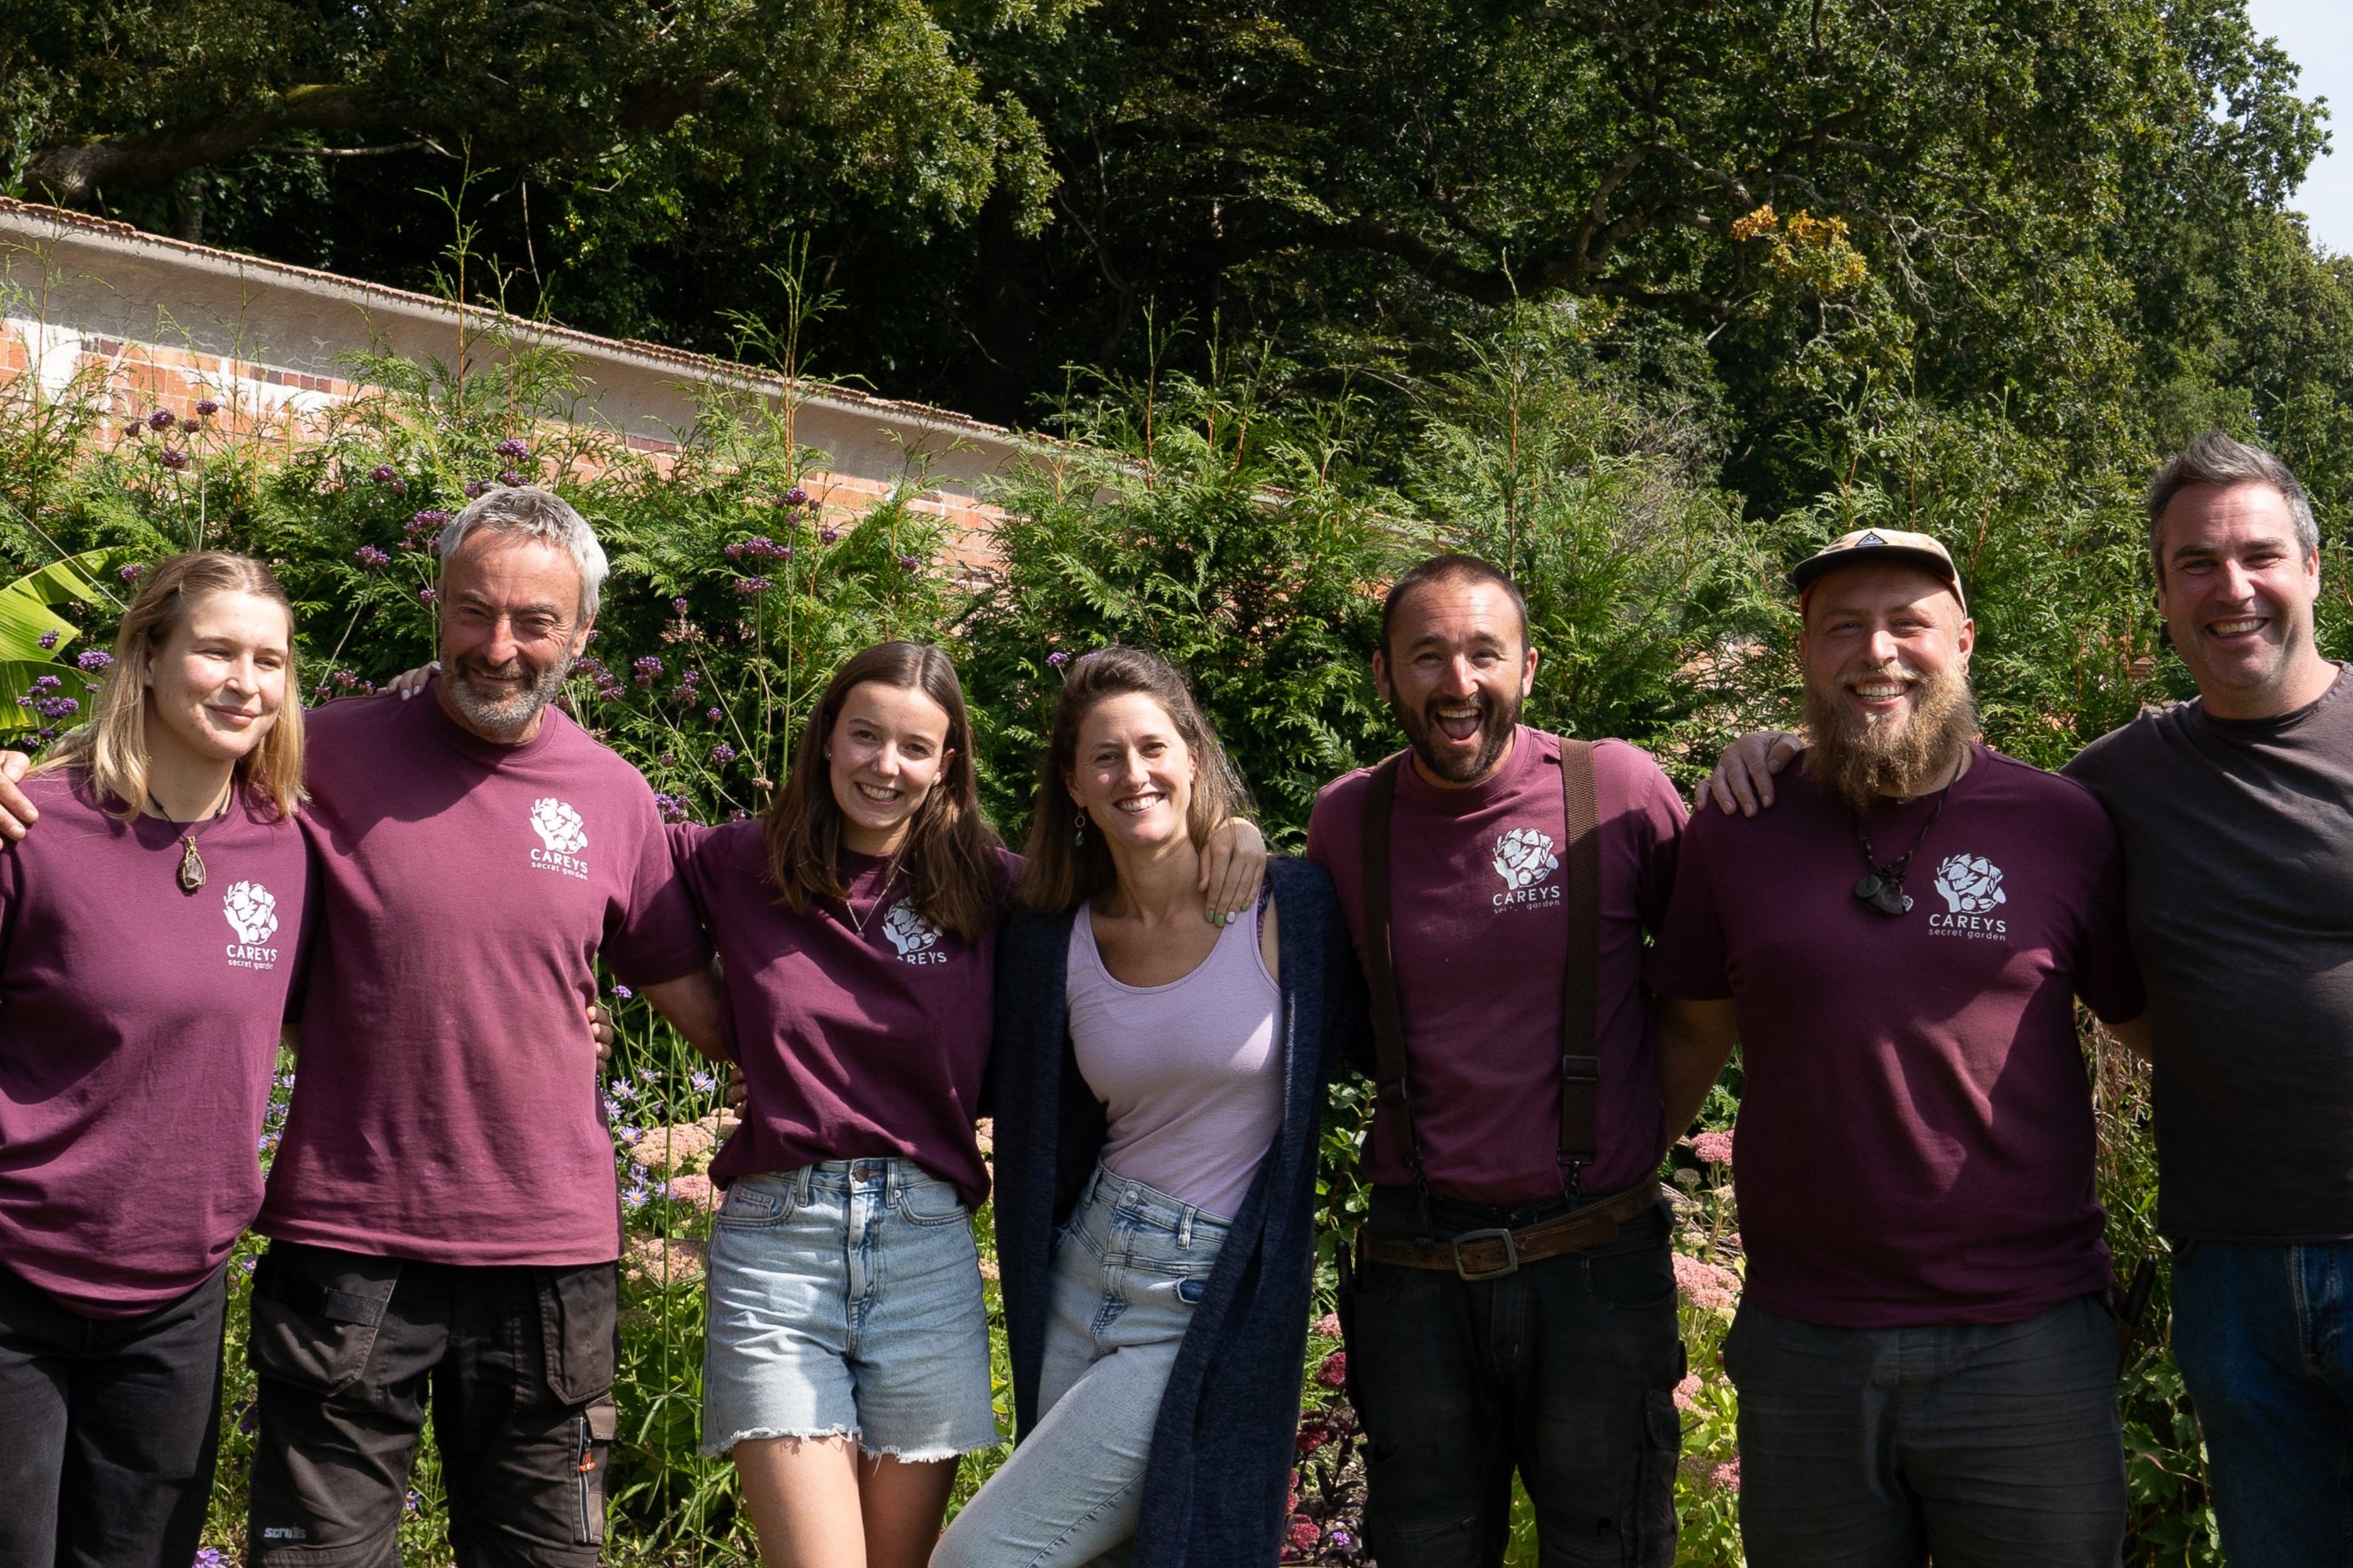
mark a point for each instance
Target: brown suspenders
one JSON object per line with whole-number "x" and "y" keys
{"x": 1580, "y": 1064}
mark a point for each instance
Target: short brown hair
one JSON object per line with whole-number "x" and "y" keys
{"x": 111, "y": 749}
{"x": 1062, "y": 873}
{"x": 2216, "y": 459}
{"x": 1439, "y": 569}
{"x": 950, "y": 859}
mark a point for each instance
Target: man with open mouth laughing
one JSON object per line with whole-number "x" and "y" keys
{"x": 1512, "y": 1303}
{"x": 1926, "y": 1361}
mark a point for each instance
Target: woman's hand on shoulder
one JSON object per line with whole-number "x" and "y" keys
{"x": 1233, "y": 863}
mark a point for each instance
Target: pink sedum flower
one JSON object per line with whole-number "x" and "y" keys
{"x": 1713, "y": 1148}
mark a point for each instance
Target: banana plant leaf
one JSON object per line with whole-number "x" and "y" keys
{"x": 26, "y": 616}
{"x": 24, "y": 612}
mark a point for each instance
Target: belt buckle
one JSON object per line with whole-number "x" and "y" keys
{"x": 1510, "y": 1255}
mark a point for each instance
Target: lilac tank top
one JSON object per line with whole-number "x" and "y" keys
{"x": 1191, "y": 1072}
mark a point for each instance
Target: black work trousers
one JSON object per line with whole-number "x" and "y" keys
{"x": 518, "y": 1363}
{"x": 108, "y": 1427}
{"x": 1563, "y": 1370}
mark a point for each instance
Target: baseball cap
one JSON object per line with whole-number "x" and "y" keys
{"x": 1866, "y": 545}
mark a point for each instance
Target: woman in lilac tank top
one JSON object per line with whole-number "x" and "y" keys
{"x": 149, "y": 932}
{"x": 1160, "y": 1083}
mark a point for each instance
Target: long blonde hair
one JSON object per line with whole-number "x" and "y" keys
{"x": 111, "y": 748}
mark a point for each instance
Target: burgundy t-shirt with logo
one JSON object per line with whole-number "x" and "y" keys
{"x": 446, "y": 1105}
{"x": 1915, "y": 1135}
{"x": 861, "y": 1033}
{"x": 1479, "y": 928}
{"x": 138, "y": 1030}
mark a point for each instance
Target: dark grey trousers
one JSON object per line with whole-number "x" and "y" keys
{"x": 517, "y": 1362}
{"x": 1985, "y": 1446}
{"x": 1563, "y": 1372}
{"x": 108, "y": 1429}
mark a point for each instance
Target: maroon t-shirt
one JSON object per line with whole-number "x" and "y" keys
{"x": 1479, "y": 929}
{"x": 138, "y": 1031}
{"x": 444, "y": 1100}
{"x": 861, "y": 1033}
{"x": 1915, "y": 1132}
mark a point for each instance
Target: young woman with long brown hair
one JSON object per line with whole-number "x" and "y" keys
{"x": 1159, "y": 1090}
{"x": 148, "y": 935}
{"x": 856, "y": 922}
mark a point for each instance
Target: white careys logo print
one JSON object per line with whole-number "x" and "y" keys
{"x": 251, "y": 911}
{"x": 1523, "y": 858}
{"x": 915, "y": 937}
{"x": 1971, "y": 887}
{"x": 563, "y": 835}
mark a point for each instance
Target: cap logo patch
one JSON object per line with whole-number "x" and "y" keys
{"x": 1868, "y": 538}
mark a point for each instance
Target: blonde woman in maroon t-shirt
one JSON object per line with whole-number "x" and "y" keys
{"x": 848, "y": 1348}
{"x": 148, "y": 934}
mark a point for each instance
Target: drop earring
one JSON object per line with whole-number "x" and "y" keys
{"x": 1079, "y": 834}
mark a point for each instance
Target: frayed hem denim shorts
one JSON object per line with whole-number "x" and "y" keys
{"x": 845, "y": 1301}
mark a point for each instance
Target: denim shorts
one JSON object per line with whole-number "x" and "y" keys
{"x": 845, "y": 1301}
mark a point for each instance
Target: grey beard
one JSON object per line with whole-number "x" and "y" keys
{"x": 1862, "y": 762}
{"x": 506, "y": 718}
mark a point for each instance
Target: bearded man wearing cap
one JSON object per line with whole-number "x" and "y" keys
{"x": 1926, "y": 1361}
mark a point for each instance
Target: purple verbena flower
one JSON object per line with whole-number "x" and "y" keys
{"x": 910, "y": 561}
{"x": 382, "y": 474}
{"x": 830, "y": 534}
{"x": 649, "y": 668}
{"x": 752, "y": 587}
{"x": 477, "y": 489}
{"x": 721, "y": 755}
{"x": 427, "y": 595}
{"x": 512, "y": 481}
{"x": 132, "y": 574}
{"x": 174, "y": 458}
{"x": 431, "y": 519}
{"x": 1058, "y": 658}
{"x": 712, "y": 715}
{"x": 623, "y": 992}
{"x": 189, "y": 426}
{"x": 93, "y": 661}
{"x": 678, "y": 606}
{"x": 511, "y": 450}
{"x": 160, "y": 420}
{"x": 207, "y": 407}
{"x": 796, "y": 496}
{"x": 47, "y": 640}
{"x": 371, "y": 558}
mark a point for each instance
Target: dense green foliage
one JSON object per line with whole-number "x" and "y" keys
{"x": 2067, "y": 212}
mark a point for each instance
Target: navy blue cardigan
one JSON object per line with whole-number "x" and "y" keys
{"x": 1214, "y": 1490}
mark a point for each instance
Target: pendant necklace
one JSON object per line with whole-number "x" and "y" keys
{"x": 857, "y": 924}
{"x": 1881, "y": 887}
{"x": 192, "y": 865}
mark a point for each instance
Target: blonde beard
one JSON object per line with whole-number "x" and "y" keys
{"x": 1861, "y": 762}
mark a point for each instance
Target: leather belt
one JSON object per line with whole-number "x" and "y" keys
{"x": 1494, "y": 1253}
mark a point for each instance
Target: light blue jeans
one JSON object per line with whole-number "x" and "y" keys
{"x": 1128, "y": 1270}
{"x": 846, "y": 1302}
